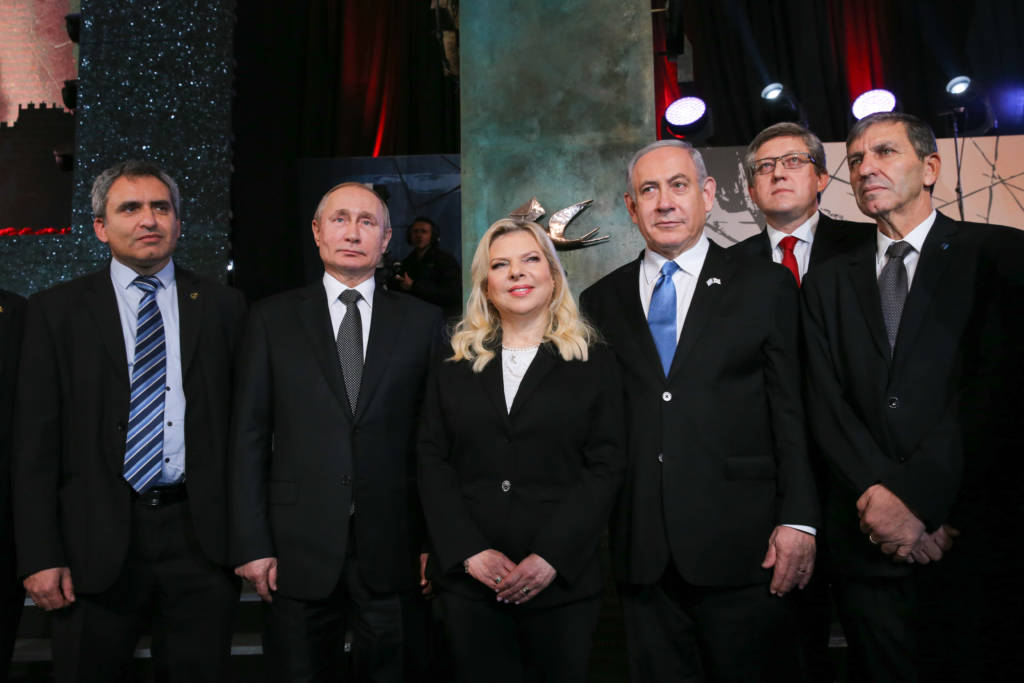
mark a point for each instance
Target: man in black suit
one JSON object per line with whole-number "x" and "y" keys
{"x": 124, "y": 399}
{"x": 701, "y": 538}
{"x": 786, "y": 174}
{"x": 428, "y": 272}
{"x": 894, "y": 352}
{"x": 12, "y": 595}
{"x": 327, "y": 524}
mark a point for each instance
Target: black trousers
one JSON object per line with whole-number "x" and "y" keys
{"x": 304, "y": 639}
{"x": 12, "y": 597}
{"x": 500, "y": 643}
{"x": 677, "y": 632}
{"x": 166, "y": 581}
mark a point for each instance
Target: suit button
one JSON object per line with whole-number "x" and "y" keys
{"x": 120, "y": 426}
{"x": 506, "y": 486}
{"x": 667, "y": 396}
{"x": 661, "y": 457}
{"x": 893, "y": 402}
{"x": 346, "y": 480}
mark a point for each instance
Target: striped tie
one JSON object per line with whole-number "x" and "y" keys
{"x": 145, "y": 445}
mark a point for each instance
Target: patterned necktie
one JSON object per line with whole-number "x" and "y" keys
{"x": 787, "y": 244}
{"x": 350, "y": 346}
{"x": 144, "y": 448}
{"x": 892, "y": 286}
{"x": 661, "y": 315}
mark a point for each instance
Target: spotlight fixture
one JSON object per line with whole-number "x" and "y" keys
{"x": 873, "y": 102}
{"x": 688, "y": 118}
{"x": 958, "y": 85}
{"x": 778, "y": 104}
{"x": 771, "y": 91}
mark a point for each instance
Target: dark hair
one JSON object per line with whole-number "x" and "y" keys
{"x": 132, "y": 168}
{"x": 786, "y": 129}
{"x": 435, "y": 232}
{"x": 920, "y": 134}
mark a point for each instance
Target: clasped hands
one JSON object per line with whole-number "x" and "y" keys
{"x": 898, "y": 532}
{"x": 514, "y": 583}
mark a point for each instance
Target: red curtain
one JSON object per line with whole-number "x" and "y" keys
{"x": 666, "y": 78}
{"x": 862, "y": 27}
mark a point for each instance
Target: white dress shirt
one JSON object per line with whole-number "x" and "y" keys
{"x": 365, "y": 305}
{"x": 802, "y": 249}
{"x": 128, "y": 297}
{"x": 915, "y": 238}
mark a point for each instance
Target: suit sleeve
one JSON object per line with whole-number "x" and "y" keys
{"x": 453, "y": 533}
{"x": 252, "y": 433}
{"x": 798, "y": 499}
{"x": 36, "y": 462}
{"x": 569, "y": 540}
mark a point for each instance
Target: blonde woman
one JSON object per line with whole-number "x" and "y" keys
{"x": 520, "y": 459}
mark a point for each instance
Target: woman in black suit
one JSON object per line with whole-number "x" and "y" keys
{"x": 521, "y": 454}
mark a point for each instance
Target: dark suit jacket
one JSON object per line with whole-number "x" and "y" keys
{"x": 895, "y": 422}
{"x": 72, "y": 506}
{"x": 300, "y": 459}
{"x": 561, "y": 450}
{"x": 831, "y": 238}
{"x": 12, "y": 312}
{"x": 717, "y": 454}
{"x": 436, "y": 278}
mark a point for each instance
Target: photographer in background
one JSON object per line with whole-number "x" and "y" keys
{"x": 427, "y": 272}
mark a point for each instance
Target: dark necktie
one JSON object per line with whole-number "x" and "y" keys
{"x": 892, "y": 286}
{"x": 789, "y": 258}
{"x": 144, "y": 448}
{"x": 350, "y": 346}
{"x": 661, "y": 315}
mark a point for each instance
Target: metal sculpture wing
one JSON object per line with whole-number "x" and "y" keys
{"x": 532, "y": 210}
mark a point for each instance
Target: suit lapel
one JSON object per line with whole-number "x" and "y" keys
{"x": 936, "y": 255}
{"x": 385, "y": 327}
{"x": 492, "y": 381}
{"x": 865, "y": 285}
{"x": 316, "y": 322}
{"x": 543, "y": 363}
{"x": 764, "y": 245}
{"x": 634, "y": 323}
{"x": 190, "y": 315}
{"x": 826, "y": 241}
{"x": 101, "y": 302}
{"x": 712, "y": 282}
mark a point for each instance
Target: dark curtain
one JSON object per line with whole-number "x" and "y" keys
{"x": 325, "y": 78}
{"x": 828, "y": 52}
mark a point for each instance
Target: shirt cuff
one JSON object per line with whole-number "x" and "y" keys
{"x": 804, "y": 528}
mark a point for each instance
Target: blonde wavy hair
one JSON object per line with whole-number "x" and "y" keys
{"x": 479, "y": 331}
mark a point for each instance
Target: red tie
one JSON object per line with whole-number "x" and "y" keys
{"x": 788, "y": 258}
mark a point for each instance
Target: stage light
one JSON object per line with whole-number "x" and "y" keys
{"x": 771, "y": 91}
{"x": 685, "y": 111}
{"x": 873, "y": 102}
{"x": 958, "y": 85}
{"x": 688, "y": 118}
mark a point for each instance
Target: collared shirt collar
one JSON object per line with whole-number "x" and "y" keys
{"x": 334, "y": 288}
{"x": 804, "y": 233}
{"x": 691, "y": 261}
{"x": 914, "y": 238}
{"x": 123, "y": 276}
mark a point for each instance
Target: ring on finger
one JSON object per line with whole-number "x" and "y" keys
{"x": 497, "y": 579}
{"x": 525, "y": 591}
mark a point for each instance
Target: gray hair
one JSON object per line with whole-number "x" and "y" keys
{"x": 920, "y": 134}
{"x": 131, "y": 168}
{"x": 698, "y": 160}
{"x": 786, "y": 129}
{"x": 385, "y": 214}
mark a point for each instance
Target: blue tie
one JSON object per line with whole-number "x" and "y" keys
{"x": 145, "y": 445}
{"x": 661, "y": 316}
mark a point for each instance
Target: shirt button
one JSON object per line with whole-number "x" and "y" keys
{"x": 893, "y": 402}
{"x": 667, "y": 396}
{"x": 170, "y": 424}
{"x": 506, "y": 486}
{"x": 661, "y": 457}
{"x": 167, "y": 388}
{"x": 167, "y": 459}
{"x": 346, "y": 480}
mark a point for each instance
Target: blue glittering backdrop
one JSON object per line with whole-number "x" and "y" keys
{"x": 155, "y": 82}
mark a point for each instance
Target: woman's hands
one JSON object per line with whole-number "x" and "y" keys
{"x": 513, "y": 583}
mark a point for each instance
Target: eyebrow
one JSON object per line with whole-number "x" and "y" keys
{"x": 136, "y": 204}
{"x": 677, "y": 176}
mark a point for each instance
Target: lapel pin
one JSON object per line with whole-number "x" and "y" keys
{"x": 713, "y": 281}
{"x": 945, "y": 245}
{"x": 194, "y": 296}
